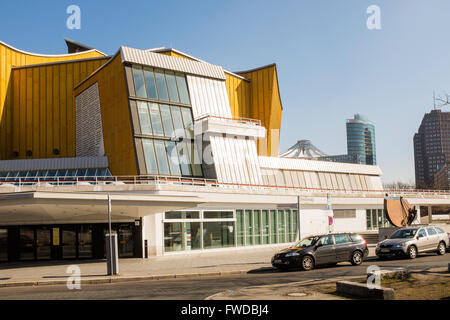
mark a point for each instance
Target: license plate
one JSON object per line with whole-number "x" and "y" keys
{"x": 384, "y": 250}
{"x": 277, "y": 261}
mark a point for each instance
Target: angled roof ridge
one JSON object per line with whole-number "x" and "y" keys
{"x": 164, "y": 49}
{"x": 256, "y": 69}
{"x": 59, "y": 62}
{"x": 51, "y": 55}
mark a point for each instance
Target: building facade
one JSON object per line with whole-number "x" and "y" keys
{"x": 431, "y": 147}
{"x": 183, "y": 149}
{"x": 361, "y": 139}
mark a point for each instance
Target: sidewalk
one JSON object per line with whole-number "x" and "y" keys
{"x": 171, "y": 266}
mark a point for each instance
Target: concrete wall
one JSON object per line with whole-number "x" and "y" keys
{"x": 153, "y": 232}
{"x": 357, "y": 224}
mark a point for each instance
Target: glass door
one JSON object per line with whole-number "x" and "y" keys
{"x": 126, "y": 243}
{"x": 85, "y": 241}
{"x": 26, "y": 245}
{"x": 68, "y": 242}
{"x": 3, "y": 244}
{"x": 43, "y": 244}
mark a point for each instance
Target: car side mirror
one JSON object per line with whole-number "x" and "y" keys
{"x": 419, "y": 236}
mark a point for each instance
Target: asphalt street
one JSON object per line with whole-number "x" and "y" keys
{"x": 199, "y": 288}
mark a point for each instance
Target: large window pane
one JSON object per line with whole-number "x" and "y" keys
{"x": 178, "y": 122}
{"x": 144, "y": 118}
{"x": 240, "y": 227}
{"x": 150, "y": 84}
{"x": 149, "y": 154}
{"x": 172, "y": 86}
{"x": 173, "y": 158}
{"x": 257, "y": 226}
{"x": 265, "y": 227}
{"x": 139, "y": 85}
{"x": 156, "y": 120}
{"x": 218, "y": 234}
{"x": 295, "y": 224}
{"x": 3, "y": 244}
{"x": 161, "y": 84}
{"x": 273, "y": 226}
{"x": 183, "y": 153}
{"x": 161, "y": 156}
{"x": 182, "y": 89}
{"x": 289, "y": 226}
{"x": 173, "y": 235}
{"x": 368, "y": 220}
{"x": 281, "y": 227}
{"x": 188, "y": 124}
{"x": 248, "y": 227}
{"x": 196, "y": 167}
{"x": 193, "y": 236}
{"x": 167, "y": 120}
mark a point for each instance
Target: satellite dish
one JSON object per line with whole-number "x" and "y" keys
{"x": 399, "y": 212}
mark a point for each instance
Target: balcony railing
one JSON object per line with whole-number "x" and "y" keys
{"x": 59, "y": 181}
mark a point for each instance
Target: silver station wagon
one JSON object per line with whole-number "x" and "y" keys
{"x": 410, "y": 241}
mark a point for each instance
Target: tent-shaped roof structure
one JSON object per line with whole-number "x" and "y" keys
{"x": 303, "y": 149}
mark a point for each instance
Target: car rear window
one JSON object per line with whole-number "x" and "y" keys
{"x": 356, "y": 237}
{"x": 439, "y": 230}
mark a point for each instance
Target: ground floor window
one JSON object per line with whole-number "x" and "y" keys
{"x": 69, "y": 241}
{"x": 375, "y": 219}
{"x": 221, "y": 229}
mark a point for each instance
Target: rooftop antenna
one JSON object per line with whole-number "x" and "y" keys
{"x": 434, "y": 100}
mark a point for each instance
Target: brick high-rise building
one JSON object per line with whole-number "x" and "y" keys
{"x": 431, "y": 147}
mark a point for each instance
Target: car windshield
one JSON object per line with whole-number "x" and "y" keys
{"x": 306, "y": 242}
{"x": 404, "y": 234}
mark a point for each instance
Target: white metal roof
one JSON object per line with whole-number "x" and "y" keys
{"x": 152, "y": 59}
{"x": 315, "y": 165}
{"x": 54, "y": 164}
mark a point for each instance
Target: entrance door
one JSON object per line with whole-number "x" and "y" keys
{"x": 85, "y": 241}
{"x": 69, "y": 242}
{"x": 26, "y": 244}
{"x": 3, "y": 244}
{"x": 43, "y": 244}
{"x": 126, "y": 241}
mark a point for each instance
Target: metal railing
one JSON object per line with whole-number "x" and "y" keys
{"x": 57, "y": 181}
{"x": 234, "y": 119}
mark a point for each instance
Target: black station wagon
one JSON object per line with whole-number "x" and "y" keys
{"x": 322, "y": 250}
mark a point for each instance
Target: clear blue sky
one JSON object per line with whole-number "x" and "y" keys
{"x": 330, "y": 65}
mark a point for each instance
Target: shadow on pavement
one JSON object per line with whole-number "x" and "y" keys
{"x": 34, "y": 264}
{"x": 67, "y": 276}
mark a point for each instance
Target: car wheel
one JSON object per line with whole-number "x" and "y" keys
{"x": 357, "y": 258}
{"x": 307, "y": 263}
{"x": 441, "y": 249}
{"x": 412, "y": 252}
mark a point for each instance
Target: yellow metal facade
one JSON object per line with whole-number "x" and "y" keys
{"x": 258, "y": 98}
{"x": 36, "y": 103}
{"x": 116, "y": 117}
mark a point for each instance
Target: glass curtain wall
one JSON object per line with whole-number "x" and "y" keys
{"x": 375, "y": 219}
{"x": 166, "y": 124}
{"x": 194, "y": 230}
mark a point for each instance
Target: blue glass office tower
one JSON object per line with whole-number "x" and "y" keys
{"x": 361, "y": 139}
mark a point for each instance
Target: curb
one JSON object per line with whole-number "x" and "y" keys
{"x": 117, "y": 279}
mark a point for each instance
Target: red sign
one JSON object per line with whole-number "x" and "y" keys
{"x": 330, "y": 221}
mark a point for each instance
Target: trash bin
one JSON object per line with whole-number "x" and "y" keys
{"x": 112, "y": 254}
